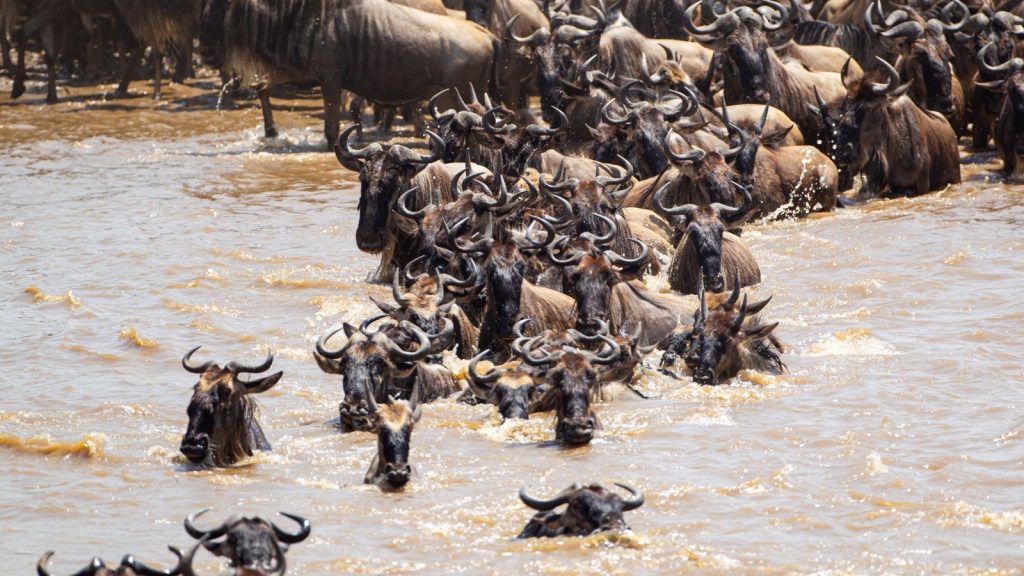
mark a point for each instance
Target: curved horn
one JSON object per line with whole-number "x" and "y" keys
{"x": 236, "y": 368}
{"x": 41, "y": 564}
{"x": 734, "y": 297}
{"x": 396, "y": 291}
{"x": 407, "y": 270}
{"x": 688, "y": 211}
{"x": 606, "y": 115}
{"x": 321, "y": 343}
{"x": 709, "y": 30}
{"x": 783, "y": 15}
{"x": 422, "y": 339}
{"x": 538, "y": 362}
{"x": 142, "y": 570}
{"x": 544, "y": 505}
{"x": 292, "y": 537}
{"x": 538, "y": 35}
{"x": 635, "y": 501}
{"x": 364, "y": 327}
{"x": 186, "y": 562}
{"x": 731, "y": 215}
{"x": 342, "y": 148}
{"x": 909, "y": 29}
{"x": 608, "y": 236}
{"x": 437, "y": 151}
{"x": 517, "y": 328}
{"x": 623, "y": 262}
{"x": 607, "y": 181}
{"x": 549, "y": 234}
{"x": 190, "y": 527}
{"x": 193, "y": 368}
{"x": 404, "y": 210}
{"x": 483, "y": 381}
{"x": 489, "y": 119}
{"x": 947, "y": 24}
{"x": 432, "y": 107}
{"x": 1004, "y": 69}
{"x": 891, "y": 85}
{"x": 694, "y": 155}
{"x": 737, "y": 322}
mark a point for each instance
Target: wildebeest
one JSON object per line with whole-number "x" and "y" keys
{"x": 129, "y": 566}
{"x": 753, "y": 73}
{"x": 254, "y": 546}
{"x": 1009, "y": 133}
{"x": 395, "y": 421}
{"x": 904, "y": 149}
{"x": 725, "y": 341}
{"x": 222, "y": 426}
{"x": 590, "y": 509}
{"x": 707, "y": 248}
{"x": 783, "y": 180}
{"x": 574, "y": 376}
{"x": 510, "y": 387}
{"x": 387, "y": 53}
{"x": 373, "y": 366}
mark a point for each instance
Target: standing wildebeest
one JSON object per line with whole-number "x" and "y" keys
{"x": 159, "y": 25}
{"x": 753, "y": 73}
{"x": 590, "y": 509}
{"x": 904, "y": 149}
{"x": 253, "y": 545}
{"x": 1009, "y": 134}
{"x": 389, "y": 54}
{"x": 222, "y": 427}
{"x": 129, "y": 567}
{"x": 395, "y": 420}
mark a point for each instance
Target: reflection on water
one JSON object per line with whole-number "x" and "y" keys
{"x": 134, "y": 231}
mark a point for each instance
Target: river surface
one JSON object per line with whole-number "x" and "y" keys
{"x": 132, "y": 231}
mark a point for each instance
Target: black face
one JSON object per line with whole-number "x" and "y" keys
{"x": 504, "y": 270}
{"x": 211, "y": 33}
{"x": 576, "y": 422}
{"x": 551, "y": 93}
{"x": 393, "y": 451}
{"x": 933, "y": 55}
{"x": 706, "y": 234}
{"x": 591, "y": 284}
{"x": 705, "y": 356}
{"x": 513, "y": 402}
{"x": 364, "y": 369}
{"x": 379, "y": 179}
{"x": 251, "y": 544}
{"x": 848, "y": 150}
{"x": 206, "y": 411}
{"x": 589, "y": 512}
{"x": 1015, "y": 106}
{"x": 748, "y": 52}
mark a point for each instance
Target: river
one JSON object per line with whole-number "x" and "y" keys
{"x": 133, "y": 231}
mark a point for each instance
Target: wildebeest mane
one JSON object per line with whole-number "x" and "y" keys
{"x": 242, "y": 431}
{"x": 159, "y": 23}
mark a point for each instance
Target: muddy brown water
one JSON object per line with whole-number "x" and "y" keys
{"x": 132, "y": 231}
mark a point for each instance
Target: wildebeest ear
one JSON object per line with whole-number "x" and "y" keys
{"x": 760, "y": 331}
{"x": 349, "y": 329}
{"x": 261, "y": 385}
{"x": 327, "y": 365}
{"x": 385, "y": 307}
{"x": 775, "y": 138}
{"x": 756, "y": 307}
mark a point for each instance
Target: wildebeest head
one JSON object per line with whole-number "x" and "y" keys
{"x": 750, "y": 141}
{"x": 551, "y": 49}
{"x": 517, "y": 145}
{"x": 720, "y": 342}
{"x": 705, "y": 227}
{"x": 369, "y": 363}
{"x": 739, "y": 35}
{"x": 255, "y": 546}
{"x": 589, "y": 509}
{"x": 574, "y": 376}
{"x": 864, "y": 98}
{"x": 644, "y": 126}
{"x": 221, "y": 413}
{"x": 508, "y": 387}
{"x": 395, "y": 420}
{"x": 425, "y": 306}
{"x": 382, "y": 174}
{"x": 708, "y": 171}
{"x": 211, "y": 32}
{"x": 129, "y": 566}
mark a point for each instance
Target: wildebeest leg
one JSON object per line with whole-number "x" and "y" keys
{"x": 332, "y": 113}
{"x": 183, "y": 65}
{"x": 5, "y": 52}
{"x": 19, "y": 71}
{"x": 129, "y": 55}
{"x": 50, "y": 57}
{"x": 158, "y": 71}
{"x": 411, "y": 113}
{"x": 269, "y": 129}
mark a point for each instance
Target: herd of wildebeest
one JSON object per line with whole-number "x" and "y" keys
{"x": 520, "y": 238}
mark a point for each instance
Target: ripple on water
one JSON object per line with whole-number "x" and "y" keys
{"x": 89, "y": 446}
